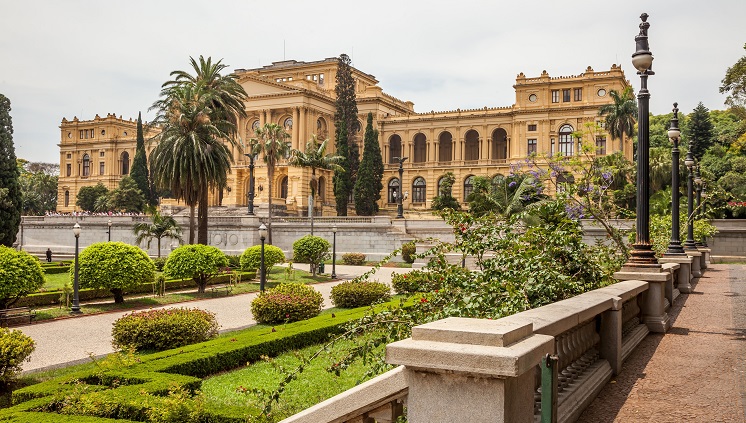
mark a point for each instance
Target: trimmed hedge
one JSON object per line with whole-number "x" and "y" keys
{"x": 158, "y": 330}
{"x": 251, "y": 258}
{"x": 55, "y": 270}
{"x": 358, "y": 294}
{"x": 353, "y": 259}
{"x": 288, "y": 302}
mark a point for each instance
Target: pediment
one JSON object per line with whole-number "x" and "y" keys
{"x": 255, "y": 86}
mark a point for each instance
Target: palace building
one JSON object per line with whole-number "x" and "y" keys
{"x": 547, "y": 115}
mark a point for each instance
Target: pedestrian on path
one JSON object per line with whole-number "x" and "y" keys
{"x": 49, "y": 255}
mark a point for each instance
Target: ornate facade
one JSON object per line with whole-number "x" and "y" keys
{"x": 300, "y": 96}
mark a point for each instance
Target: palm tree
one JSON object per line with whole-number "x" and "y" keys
{"x": 271, "y": 141}
{"x": 620, "y": 115}
{"x": 315, "y": 157}
{"x": 160, "y": 227}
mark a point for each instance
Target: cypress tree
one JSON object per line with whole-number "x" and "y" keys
{"x": 10, "y": 188}
{"x": 140, "y": 164}
{"x": 699, "y": 131}
{"x": 368, "y": 185}
{"x": 345, "y": 122}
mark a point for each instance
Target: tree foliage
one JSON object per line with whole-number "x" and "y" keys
{"x": 38, "y": 183}
{"x": 197, "y": 262}
{"x": 620, "y": 115}
{"x": 698, "y": 133}
{"x": 115, "y": 266}
{"x": 271, "y": 139}
{"x": 127, "y": 197}
{"x": 89, "y": 195}
{"x": 734, "y": 83}
{"x": 139, "y": 170}
{"x": 346, "y": 126}
{"x": 369, "y": 184}
{"x": 158, "y": 228}
{"x": 311, "y": 249}
{"x": 445, "y": 199}
{"x": 21, "y": 274}
{"x": 252, "y": 257}
{"x": 10, "y": 189}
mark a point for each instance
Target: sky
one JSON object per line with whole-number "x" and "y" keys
{"x": 82, "y": 58}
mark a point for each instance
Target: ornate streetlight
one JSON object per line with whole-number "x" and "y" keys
{"x": 674, "y": 134}
{"x": 75, "y": 309}
{"x": 400, "y": 194}
{"x": 262, "y": 269}
{"x": 334, "y": 253}
{"x": 642, "y": 254}
{"x": 250, "y": 194}
{"x": 689, "y": 244}
{"x": 109, "y": 231}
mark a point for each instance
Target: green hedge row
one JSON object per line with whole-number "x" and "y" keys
{"x": 136, "y": 391}
{"x": 40, "y": 299}
{"x": 53, "y": 270}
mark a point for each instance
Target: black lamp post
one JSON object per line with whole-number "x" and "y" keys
{"x": 689, "y": 244}
{"x": 698, "y": 184}
{"x": 262, "y": 269}
{"x": 109, "y": 232}
{"x": 674, "y": 247}
{"x": 642, "y": 254}
{"x": 250, "y": 194}
{"x": 334, "y": 253}
{"x": 75, "y": 309}
{"x": 400, "y": 194}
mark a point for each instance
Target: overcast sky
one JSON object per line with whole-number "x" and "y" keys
{"x": 79, "y": 58}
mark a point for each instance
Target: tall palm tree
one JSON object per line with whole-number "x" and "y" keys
{"x": 620, "y": 115}
{"x": 271, "y": 141}
{"x": 315, "y": 157}
{"x": 160, "y": 227}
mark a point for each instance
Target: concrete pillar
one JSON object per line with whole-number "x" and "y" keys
{"x": 654, "y": 313}
{"x": 611, "y": 336}
{"x": 684, "y": 271}
{"x": 296, "y": 142}
{"x": 706, "y": 252}
{"x": 483, "y": 369}
{"x": 696, "y": 257}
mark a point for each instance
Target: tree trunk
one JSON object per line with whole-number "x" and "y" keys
{"x": 118, "y": 295}
{"x": 270, "y": 175}
{"x": 159, "y": 248}
{"x": 202, "y": 218}
{"x": 310, "y": 211}
{"x": 201, "y": 284}
{"x": 191, "y": 224}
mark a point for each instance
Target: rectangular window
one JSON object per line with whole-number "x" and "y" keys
{"x": 532, "y": 128}
{"x": 91, "y": 133}
{"x": 321, "y": 79}
{"x": 600, "y": 146}
{"x": 578, "y": 94}
{"x": 101, "y": 154}
{"x": 101, "y": 168}
{"x": 555, "y": 96}
{"x": 531, "y": 148}
{"x": 69, "y": 156}
{"x": 81, "y": 134}
{"x": 69, "y": 169}
{"x": 565, "y": 95}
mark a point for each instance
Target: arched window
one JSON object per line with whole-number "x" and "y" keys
{"x": 499, "y": 144}
{"x": 472, "y": 145}
{"x": 468, "y": 186}
{"x": 321, "y": 193}
{"x": 394, "y": 148}
{"x": 445, "y": 147}
{"x": 321, "y": 131}
{"x": 67, "y": 198}
{"x": 284, "y": 187}
{"x": 566, "y": 140}
{"x": 288, "y": 123}
{"x": 393, "y": 190}
{"x": 86, "y": 165}
{"x": 420, "y": 148}
{"x": 125, "y": 159}
{"x": 418, "y": 190}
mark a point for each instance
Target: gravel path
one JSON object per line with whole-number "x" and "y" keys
{"x": 74, "y": 340}
{"x": 694, "y": 373}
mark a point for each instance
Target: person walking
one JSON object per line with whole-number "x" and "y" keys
{"x": 49, "y": 255}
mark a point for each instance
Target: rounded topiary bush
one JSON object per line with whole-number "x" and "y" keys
{"x": 115, "y": 266}
{"x": 15, "y": 348}
{"x": 197, "y": 262}
{"x": 163, "y": 329}
{"x": 159, "y": 263}
{"x": 415, "y": 281}
{"x": 288, "y": 302}
{"x": 311, "y": 249}
{"x": 251, "y": 258}
{"x": 408, "y": 251}
{"x": 20, "y": 275}
{"x": 358, "y": 294}
{"x": 353, "y": 259}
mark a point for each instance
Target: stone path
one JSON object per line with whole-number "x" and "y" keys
{"x": 694, "y": 373}
{"x": 75, "y": 340}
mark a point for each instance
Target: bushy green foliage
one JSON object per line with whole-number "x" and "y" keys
{"x": 288, "y": 302}
{"x": 159, "y": 263}
{"x": 251, "y": 258}
{"x": 127, "y": 197}
{"x": 353, "y": 259}
{"x": 198, "y": 262}
{"x": 346, "y": 126}
{"x": 164, "y": 329}
{"x": 408, "y": 251}
{"x": 15, "y": 348}
{"x": 234, "y": 261}
{"x": 10, "y": 189}
{"x": 20, "y": 275}
{"x": 358, "y": 294}
{"x": 89, "y": 195}
{"x": 445, "y": 200}
{"x": 115, "y": 266}
{"x": 311, "y": 249}
{"x": 415, "y": 281}
{"x": 139, "y": 171}
{"x": 368, "y": 185}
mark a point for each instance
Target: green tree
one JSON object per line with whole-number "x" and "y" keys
{"x": 271, "y": 141}
{"x": 346, "y": 125}
{"x": 698, "y": 133}
{"x": 127, "y": 197}
{"x": 734, "y": 83}
{"x": 368, "y": 185}
{"x": 10, "y": 189}
{"x": 315, "y": 157}
{"x": 38, "y": 183}
{"x": 444, "y": 199}
{"x": 158, "y": 228}
{"x": 21, "y": 274}
{"x": 139, "y": 170}
{"x": 311, "y": 249}
{"x": 87, "y": 196}
{"x": 252, "y": 256}
{"x": 620, "y": 115}
{"x": 198, "y": 262}
{"x": 115, "y": 266}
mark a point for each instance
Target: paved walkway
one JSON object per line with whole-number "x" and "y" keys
{"x": 694, "y": 373}
{"x": 75, "y": 340}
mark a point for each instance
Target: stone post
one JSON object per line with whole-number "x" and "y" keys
{"x": 684, "y": 271}
{"x": 470, "y": 369}
{"x": 696, "y": 257}
{"x": 654, "y": 313}
{"x": 706, "y": 251}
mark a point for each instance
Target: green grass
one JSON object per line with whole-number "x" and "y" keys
{"x": 56, "y": 282}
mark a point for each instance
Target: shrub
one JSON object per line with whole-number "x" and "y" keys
{"x": 353, "y": 259}
{"x": 159, "y": 263}
{"x": 415, "y": 281}
{"x": 115, "y": 266}
{"x": 251, "y": 258}
{"x": 15, "y": 348}
{"x": 408, "y": 250}
{"x": 288, "y": 302}
{"x": 234, "y": 261}
{"x": 358, "y": 294}
{"x": 195, "y": 261}
{"x": 20, "y": 273}
{"x": 311, "y": 249}
{"x": 164, "y": 329}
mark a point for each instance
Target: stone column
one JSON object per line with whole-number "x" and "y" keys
{"x": 654, "y": 313}
{"x": 483, "y": 369}
{"x": 684, "y": 271}
{"x": 706, "y": 251}
{"x": 696, "y": 257}
{"x": 296, "y": 142}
